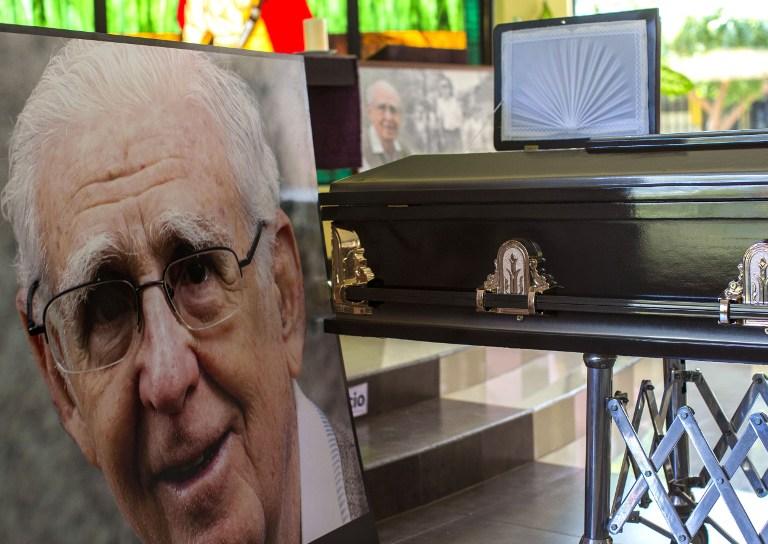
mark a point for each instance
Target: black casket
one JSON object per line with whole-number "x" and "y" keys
{"x": 644, "y": 246}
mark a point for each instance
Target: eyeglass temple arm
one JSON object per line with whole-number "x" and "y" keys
{"x": 33, "y": 329}
{"x": 252, "y": 249}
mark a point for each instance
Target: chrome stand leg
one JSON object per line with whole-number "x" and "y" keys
{"x": 598, "y": 463}
{"x": 681, "y": 489}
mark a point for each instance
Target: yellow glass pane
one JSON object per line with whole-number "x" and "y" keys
{"x": 259, "y": 38}
{"x": 167, "y": 36}
{"x": 442, "y": 39}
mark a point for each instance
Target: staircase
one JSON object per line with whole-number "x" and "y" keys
{"x": 441, "y": 418}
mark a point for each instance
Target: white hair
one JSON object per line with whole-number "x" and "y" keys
{"x": 89, "y": 78}
{"x": 377, "y": 86}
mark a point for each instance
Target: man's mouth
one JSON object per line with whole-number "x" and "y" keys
{"x": 184, "y": 473}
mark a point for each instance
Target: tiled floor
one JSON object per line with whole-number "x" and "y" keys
{"x": 537, "y": 503}
{"x": 542, "y": 502}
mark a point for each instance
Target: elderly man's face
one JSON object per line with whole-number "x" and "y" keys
{"x": 195, "y": 432}
{"x": 384, "y": 114}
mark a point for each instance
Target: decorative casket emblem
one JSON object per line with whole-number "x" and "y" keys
{"x": 516, "y": 272}
{"x": 350, "y": 268}
{"x": 751, "y": 287}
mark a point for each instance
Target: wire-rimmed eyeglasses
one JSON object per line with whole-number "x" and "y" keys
{"x": 94, "y": 325}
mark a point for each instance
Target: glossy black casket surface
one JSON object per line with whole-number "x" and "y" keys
{"x": 649, "y": 225}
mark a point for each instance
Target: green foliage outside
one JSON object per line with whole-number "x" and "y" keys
{"x": 714, "y": 32}
{"x": 674, "y": 83}
{"x": 735, "y": 91}
{"x": 724, "y": 102}
{"x": 134, "y": 16}
{"x": 67, "y": 14}
{"x": 546, "y": 11}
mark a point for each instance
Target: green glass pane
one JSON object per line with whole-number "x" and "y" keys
{"x": 325, "y": 177}
{"x": 333, "y": 11}
{"x": 384, "y": 15}
{"x": 474, "y": 31}
{"x": 133, "y": 16}
{"x": 67, "y": 14}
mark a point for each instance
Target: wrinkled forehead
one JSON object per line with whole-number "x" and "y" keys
{"x": 98, "y": 148}
{"x": 136, "y": 181}
{"x": 384, "y": 95}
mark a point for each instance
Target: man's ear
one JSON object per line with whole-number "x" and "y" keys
{"x": 69, "y": 413}
{"x": 286, "y": 269}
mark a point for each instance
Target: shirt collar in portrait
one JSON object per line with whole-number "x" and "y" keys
{"x": 324, "y": 505}
{"x": 376, "y": 146}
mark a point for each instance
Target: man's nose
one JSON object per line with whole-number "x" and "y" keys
{"x": 168, "y": 365}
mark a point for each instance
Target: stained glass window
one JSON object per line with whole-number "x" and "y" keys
{"x": 67, "y": 14}
{"x": 333, "y": 11}
{"x": 123, "y": 16}
{"x": 384, "y": 15}
{"x": 142, "y": 16}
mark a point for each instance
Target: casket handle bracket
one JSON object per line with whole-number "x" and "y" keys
{"x": 517, "y": 271}
{"x": 750, "y": 287}
{"x": 349, "y": 269}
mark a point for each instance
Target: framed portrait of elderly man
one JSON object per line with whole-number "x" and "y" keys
{"x": 162, "y": 288}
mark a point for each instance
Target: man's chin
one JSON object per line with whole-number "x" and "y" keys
{"x": 210, "y": 502}
{"x": 195, "y": 489}
{"x": 231, "y": 529}
{"x": 390, "y": 133}
{"x": 228, "y": 525}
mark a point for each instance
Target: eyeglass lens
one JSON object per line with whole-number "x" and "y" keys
{"x": 95, "y": 326}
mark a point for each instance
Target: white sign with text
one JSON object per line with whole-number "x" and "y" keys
{"x": 358, "y": 399}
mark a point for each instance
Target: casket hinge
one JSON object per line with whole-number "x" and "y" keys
{"x": 517, "y": 271}
{"x": 349, "y": 268}
{"x": 751, "y": 286}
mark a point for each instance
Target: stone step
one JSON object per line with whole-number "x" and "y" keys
{"x": 386, "y": 374}
{"x": 365, "y": 357}
{"x": 422, "y": 452}
{"x": 552, "y": 385}
{"x": 433, "y": 448}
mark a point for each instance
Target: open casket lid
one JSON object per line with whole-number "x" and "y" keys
{"x": 558, "y": 82}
